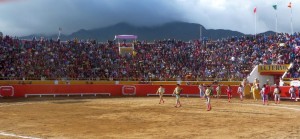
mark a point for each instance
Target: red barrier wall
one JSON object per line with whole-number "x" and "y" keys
{"x": 284, "y": 91}
{"x": 116, "y": 90}
{"x": 21, "y": 90}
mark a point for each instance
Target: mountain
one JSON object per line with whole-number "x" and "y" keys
{"x": 175, "y": 30}
{"x": 267, "y": 33}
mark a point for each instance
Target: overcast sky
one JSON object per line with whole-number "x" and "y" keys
{"x": 23, "y": 17}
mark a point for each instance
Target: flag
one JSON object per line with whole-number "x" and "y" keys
{"x": 290, "y": 5}
{"x": 275, "y": 7}
{"x": 59, "y": 29}
{"x": 254, "y": 10}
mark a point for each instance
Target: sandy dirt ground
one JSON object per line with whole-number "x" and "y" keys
{"x": 132, "y": 117}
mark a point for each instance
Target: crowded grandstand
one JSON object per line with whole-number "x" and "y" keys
{"x": 232, "y": 58}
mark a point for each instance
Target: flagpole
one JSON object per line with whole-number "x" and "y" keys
{"x": 276, "y": 26}
{"x": 255, "y": 24}
{"x": 59, "y": 32}
{"x": 292, "y": 21}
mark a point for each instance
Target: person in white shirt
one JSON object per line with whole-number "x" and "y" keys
{"x": 281, "y": 83}
{"x": 177, "y": 92}
{"x": 292, "y": 92}
{"x": 201, "y": 90}
{"x": 208, "y": 94}
{"x": 218, "y": 89}
{"x": 276, "y": 94}
{"x": 161, "y": 91}
{"x": 240, "y": 91}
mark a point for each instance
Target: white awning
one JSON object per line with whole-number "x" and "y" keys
{"x": 125, "y": 37}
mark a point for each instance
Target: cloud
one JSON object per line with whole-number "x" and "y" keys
{"x": 45, "y": 16}
{"x": 238, "y": 14}
{"x": 25, "y": 17}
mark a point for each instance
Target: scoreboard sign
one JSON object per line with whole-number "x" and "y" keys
{"x": 273, "y": 68}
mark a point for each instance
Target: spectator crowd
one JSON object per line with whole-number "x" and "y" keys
{"x": 230, "y": 58}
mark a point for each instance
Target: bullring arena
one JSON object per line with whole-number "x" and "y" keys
{"x": 107, "y": 79}
{"x": 112, "y": 111}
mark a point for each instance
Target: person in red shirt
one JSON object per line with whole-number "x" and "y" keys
{"x": 229, "y": 93}
{"x": 267, "y": 93}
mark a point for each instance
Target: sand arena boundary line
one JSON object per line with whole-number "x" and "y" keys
{"x": 270, "y": 105}
{"x": 282, "y": 106}
{"x": 12, "y": 134}
{"x": 17, "y": 104}
{"x": 17, "y": 136}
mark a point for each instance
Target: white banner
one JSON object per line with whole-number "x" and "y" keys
{"x": 295, "y": 83}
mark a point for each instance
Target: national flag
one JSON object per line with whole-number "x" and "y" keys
{"x": 275, "y": 7}
{"x": 290, "y": 5}
{"x": 254, "y": 10}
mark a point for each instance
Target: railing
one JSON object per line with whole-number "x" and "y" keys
{"x": 291, "y": 79}
{"x": 27, "y": 79}
{"x": 285, "y": 73}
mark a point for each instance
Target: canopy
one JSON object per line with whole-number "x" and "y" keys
{"x": 125, "y": 37}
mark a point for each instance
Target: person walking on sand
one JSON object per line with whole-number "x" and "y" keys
{"x": 218, "y": 89}
{"x": 292, "y": 92}
{"x": 240, "y": 91}
{"x": 253, "y": 92}
{"x": 229, "y": 93}
{"x": 276, "y": 94}
{"x": 177, "y": 92}
{"x": 201, "y": 90}
{"x": 268, "y": 89}
{"x": 160, "y": 91}
{"x": 208, "y": 94}
{"x": 264, "y": 93}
